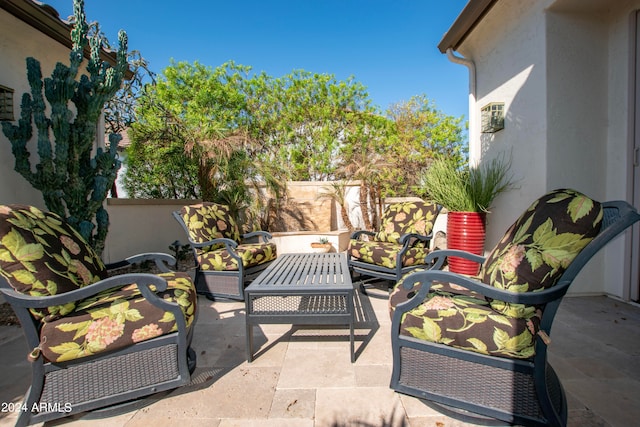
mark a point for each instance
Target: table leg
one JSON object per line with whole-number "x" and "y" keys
{"x": 351, "y": 339}
{"x": 351, "y": 308}
{"x": 249, "y": 342}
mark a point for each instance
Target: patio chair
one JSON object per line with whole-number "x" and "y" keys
{"x": 226, "y": 260}
{"x": 93, "y": 340}
{"x": 480, "y": 343}
{"x": 399, "y": 246}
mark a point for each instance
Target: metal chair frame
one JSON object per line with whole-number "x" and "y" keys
{"x": 469, "y": 381}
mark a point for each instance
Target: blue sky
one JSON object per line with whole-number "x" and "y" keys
{"x": 390, "y": 46}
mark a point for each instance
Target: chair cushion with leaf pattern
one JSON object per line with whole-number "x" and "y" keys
{"x": 385, "y": 254}
{"x": 115, "y": 319}
{"x": 404, "y": 218}
{"x": 252, "y": 254}
{"x": 42, "y": 255}
{"x": 454, "y": 316}
{"x": 540, "y": 245}
{"x": 533, "y": 255}
{"x": 207, "y": 221}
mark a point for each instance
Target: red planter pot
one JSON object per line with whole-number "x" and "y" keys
{"x": 465, "y": 231}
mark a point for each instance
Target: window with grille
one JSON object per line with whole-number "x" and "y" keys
{"x": 492, "y": 116}
{"x": 6, "y": 103}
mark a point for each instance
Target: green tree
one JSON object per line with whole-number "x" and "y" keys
{"x": 215, "y": 134}
{"x": 337, "y": 192}
{"x": 74, "y": 180}
{"x": 363, "y": 158}
{"x": 304, "y": 118}
{"x": 421, "y": 133}
{"x": 191, "y": 139}
{"x": 186, "y": 113}
{"x": 160, "y": 170}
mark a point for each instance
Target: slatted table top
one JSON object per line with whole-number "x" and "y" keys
{"x": 306, "y": 271}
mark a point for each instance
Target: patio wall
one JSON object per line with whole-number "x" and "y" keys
{"x": 138, "y": 226}
{"x": 142, "y": 225}
{"x": 306, "y": 210}
{"x": 148, "y": 226}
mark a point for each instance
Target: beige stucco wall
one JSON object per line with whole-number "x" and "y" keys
{"x": 619, "y": 139}
{"x": 508, "y": 50}
{"x": 18, "y": 42}
{"x": 562, "y": 69}
{"x": 138, "y": 225}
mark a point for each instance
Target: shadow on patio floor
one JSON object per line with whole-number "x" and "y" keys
{"x": 302, "y": 376}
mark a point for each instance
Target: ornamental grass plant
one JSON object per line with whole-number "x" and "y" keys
{"x": 467, "y": 189}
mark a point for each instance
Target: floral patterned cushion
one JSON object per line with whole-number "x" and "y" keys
{"x": 42, "y": 255}
{"x": 404, "y": 218}
{"x": 454, "y": 316}
{"x": 385, "y": 254}
{"x": 540, "y": 245}
{"x": 207, "y": 221}
{"x": 115, "y": 319}
{"x": 252, "y": 254}
{"x": 532, "y": 256}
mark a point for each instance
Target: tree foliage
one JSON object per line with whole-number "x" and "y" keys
{"x": 421, "y": 134}
{"x": 190, "y": 139}
{"x": 305, "y": 119}
{"x": 215, "y": 133}
{"x": 119, "y": 111}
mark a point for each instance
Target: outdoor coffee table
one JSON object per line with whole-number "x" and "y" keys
{"x": 308, "y": 288}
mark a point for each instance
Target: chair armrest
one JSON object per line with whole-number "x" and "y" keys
{"x": 230, "y": 244}
{"x": 163, "y": 261}
{"x": 143, "y": 280}
{"x": 266, "y": 236}
{"x": 21, "y": 303}
{"x": 356, "y": 234}
{"x": 427, "y": 277}
{"x": 407, "y": 241}
{"x": 437, "y": 258}
{"x": 406, "y": 238}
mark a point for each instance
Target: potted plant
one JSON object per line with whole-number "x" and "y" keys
{"x": 322, "y": 245}
{"x": 467, "y": 193}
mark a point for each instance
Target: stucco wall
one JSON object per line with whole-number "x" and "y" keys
{"x": 577, "y": 114}
{"x": 619, "y": 146}
{"x": 137, "y": 226}
{"x": 589, "y": 118}
{"x": 508, "y": 50}
{"x": 18, "y": 42}
{"x": 562, "y": 69}
{"x": 576, "y": 107}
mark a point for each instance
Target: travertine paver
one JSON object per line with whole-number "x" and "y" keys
{"x": 302, "y": 377}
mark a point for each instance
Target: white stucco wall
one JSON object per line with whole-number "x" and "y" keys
{"x": 508, "y": 50}
{"x": 577, "y": 115}
{"x": 562, "y": 69}
{"x": 18, "y": 42}
{"x": 619, "y": 141}
{"x": 589, "y": 118}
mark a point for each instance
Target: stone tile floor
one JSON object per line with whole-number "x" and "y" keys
{"x": 303, "y": 377}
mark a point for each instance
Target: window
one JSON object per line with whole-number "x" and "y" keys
{"x": 6, "y": 103}
{"x": 492, "y": 116}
